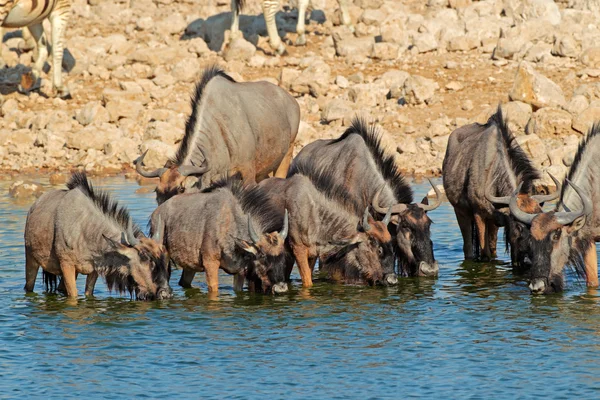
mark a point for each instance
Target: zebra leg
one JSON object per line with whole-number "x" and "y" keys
{"x": 300, "y": 27}
{"x": 270, "y": 8}
{"x": 29, "y": 41}
{"x": 235, "y": 19}
{"x": 346, "y": 14}
{"x": 58, "y": 19}
{"x": 2, "y": 63}
{"x": 41, "y": 55}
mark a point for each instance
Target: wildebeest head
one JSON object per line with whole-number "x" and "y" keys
{"x": 554, "y": 239}
{"x": 264, "y": 256}
{"x": 413, "y": 235}
{"x": 367, "y": 256}
{"x": 173, "y": 180}
{"x": 517, "y": 233}
{"x": 140, "y": 264}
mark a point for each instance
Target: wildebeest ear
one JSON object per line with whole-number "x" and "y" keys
{"x": 246, "y": 246}
{"x": 190, "y": 181}
{"x": 114, "y": 244}
{"x": 577, "y": 224}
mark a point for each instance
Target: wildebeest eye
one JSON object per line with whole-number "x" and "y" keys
{"x": 380, "y": 251}
{"x": 180, "y": 189}
{"x": 556, "y": 235}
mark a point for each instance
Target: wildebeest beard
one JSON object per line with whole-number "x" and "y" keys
{"x": 345, "y": 266}
{"x": 416, "y": 223}
{"x": 275, "y": 273}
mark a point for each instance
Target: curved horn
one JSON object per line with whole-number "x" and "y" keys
{"x": 504, "y": 200}
{"x": 187, "y": 170}
{"x": 566, "y": 218}
{"x": 130, "y": 236}
{"x": 284, "y": 231}
{"x": 396, "y": 209}
{"x": 388, "y": 217}
{"x": 253, "y": 235}
{"x": 365, "y": 221}
{"x": 438, "y": 199}
{"x": 124, "y": 240}
{"x": 147, "y": 174}
{"x": 549, "y": 197}
{"x": 519, "y": 214}
{"x": 156, "y": 236}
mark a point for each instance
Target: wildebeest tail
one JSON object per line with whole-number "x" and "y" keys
{"x": 475, "y": 240}
{"x": 50, "y": 281}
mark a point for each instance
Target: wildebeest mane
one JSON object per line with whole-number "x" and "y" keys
{"x": 103, "y": 201}
{"x": 579, "y": 156}
{"x": 190, "y": 124}
{"x": 386, "y": 163}
{"x": 519, "y": 162}
{"x": 112, "y": 265}
{"x": 254, "y": 201}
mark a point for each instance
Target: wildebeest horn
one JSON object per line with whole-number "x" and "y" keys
{"x": 396, "y": 209}
{"x": 124, "y": 240}
{"x": 549, "y": 197}
{"x": 187, "y": 170}
{"x": 147, "y": 174}
{"x": 156, "y": 236}
{"x": 253, "y": 235}
{"x": 519, "y": 214}
{"x": 388, "y": 216}
{"x": 284, "y": 231}
{"x": 504, "y": 200}
{"x": 438, "y": 199}
{"x": 365, "y": 221}
{"x": 566, "y": 218}
{"x": 130, "y": 236}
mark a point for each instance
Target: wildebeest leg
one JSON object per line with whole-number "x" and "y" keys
{"x": 301, "y": 254}
{"x": 269, "y": 10}
{"x": 187, "y": 276}
{"x": 61, "y": 286}
{"x": 90, "y": 283}
{"x": 211, "y": 267}
{"x": 238, "y": 281}
{"x": 300, "y": 28}
{"x": 465, "y": 223}
{"x": 31, "y": 270}
{"x": 483, "y": 237}
{"x": 591, "y": 266}
{"x": 284, "y": 166}
{"x": 492, "y": 236}
{"x": 69, "y": 275}
{"x": 311, "y": 263}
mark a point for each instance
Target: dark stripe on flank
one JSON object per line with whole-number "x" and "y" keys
{"x": 46, "y": 5}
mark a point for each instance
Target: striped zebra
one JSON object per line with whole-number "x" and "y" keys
{"x": 31, "y": 14}
{"x": 270, "y": 8}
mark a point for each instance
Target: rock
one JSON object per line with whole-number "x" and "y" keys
{"x": 565, "y": 46}
{"x": 372, "y": 17}
{"x": 341, "y": 82}
{"x": 425, "y": 42}
{"x": 92, "y": 112}
{"x": 533, "y": 146}
{"x": 557, "y": 171}
{"x": 186, "y": 70}
{"x": 9, "y": 106}
{"x": 154, "y": 56}
{"x": 536, "y": 9}
{"x": 22, "y": 189}
{"x": 517, "y": 114}
{"x": 313, "y": 80}
{"x": 454, "y": 86}
{"x": 198, "y": 46}
{"x": 368, "y": 4}
{"x": 121, "y": 108}
{"x": 353, "y": 48}
{"x": 125, "y": 150}
{"x": 591, "y": 57}
{"x": 287, "y": 77}
{"x": 549, "y": 122}
{"x": 534, "y": 88}
{"x": 239, "y": 49}
{"x": 58, "y": 178}
{"x": 591, "y": 91}
{"x": 463, "y": 43}
{"x": 394, "y": 80}
{"x": 158, "y": 153}
{"x": 93, "y": 137}
{"x": 577, "y": 104}
{"x": 172, "y": 24}
{"x": 337, "y": 109}
{"x": 368, "y": 94}
{"x": 584, "y": 121}
{"x": 407, "y": 145}
{"x": 385, "y": 51}
{"x": 419, "y": 90}
{"x": 394, "y": 32}
{"x": 163, "y": 131}
{"x": 467, "y": 105}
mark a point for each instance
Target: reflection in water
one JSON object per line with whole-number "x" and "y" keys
{"x": 475, "y": 331}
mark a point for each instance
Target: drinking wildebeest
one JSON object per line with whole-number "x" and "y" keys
{"x": 482, "y": 166}
{"x": 351, "y": 248}
{"x": 246, "y": 128}
{"x": 567, "y": 235}
{"x": 82, "y": 230}
{"x": 270, "y": 8}
{"x": 359, "y": 162}
{"x": 228, "y": 226}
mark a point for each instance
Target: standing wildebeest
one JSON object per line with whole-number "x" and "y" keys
{"x": 484, "y": 164}
{"x": 228, "y": 226}
{"x": 359, "y": 163}
{"x": 351, "y": 248}
{"x": 82, "y": 230}
{"x": 246, "y": 128}
{"x": 270, "y": 8}
{"x": 567, "y": 235}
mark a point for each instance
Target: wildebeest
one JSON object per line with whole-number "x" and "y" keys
{"x": 482, "y": 167}
{"x": 228, "y": 226}
{"x": 82, "y": 230}
{"x": 246, "y": 128}
{"x": 351, "y": 248}
{"x": 270, "y": 8}
{"x": 359, "y": 162}
{"x": 567, "y": 235}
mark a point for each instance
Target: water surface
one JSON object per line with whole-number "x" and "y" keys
{"x": 475, "y": 332}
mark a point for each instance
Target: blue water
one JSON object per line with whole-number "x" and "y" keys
{"x": 475, "y": 332}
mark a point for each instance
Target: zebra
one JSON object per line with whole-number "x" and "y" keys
{"x": 270, "y": 8}
{"x": 31, "y": 14}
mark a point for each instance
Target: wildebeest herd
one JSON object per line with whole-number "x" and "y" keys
{"x": 343, "y": 202}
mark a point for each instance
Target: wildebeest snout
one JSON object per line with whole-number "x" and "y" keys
{"x": 537, "y": 286}
{"x": 426, "y": 269}
{"x": 164, "y": 294}
{"x": 280, "y": 287}
{"x": 391, "y": 279}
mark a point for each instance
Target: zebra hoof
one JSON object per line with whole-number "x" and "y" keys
{"x": 301, "y": 40}
{"x": 281, "y": 50}
{"x": 63, "y": 93}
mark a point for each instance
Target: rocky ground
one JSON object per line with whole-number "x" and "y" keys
{"x": 419, "y": 68}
